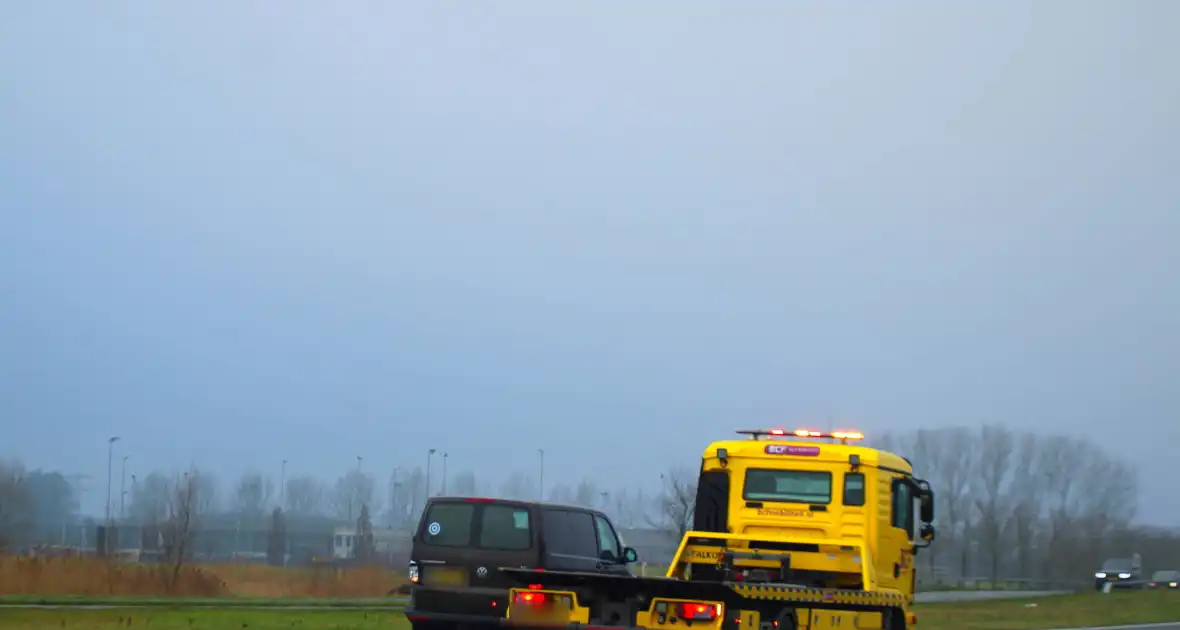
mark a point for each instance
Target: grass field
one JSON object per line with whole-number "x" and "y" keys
{"x": 1063, "y": 611}
{"x": 1017, "y": 614}
{"x": 95, "y": 577}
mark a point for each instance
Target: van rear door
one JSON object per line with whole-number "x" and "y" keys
{"x": 462, "y": 542}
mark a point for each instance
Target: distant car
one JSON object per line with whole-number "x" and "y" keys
{"x": 1120, "y": 573}
{"x": 461, "y": 542}
{"x": 1164, "y": 579}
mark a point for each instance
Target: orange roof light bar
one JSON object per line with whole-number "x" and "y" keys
{"x": 843, "y": 436}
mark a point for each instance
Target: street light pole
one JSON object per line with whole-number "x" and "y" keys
{"x": 356, "y": 480}
{"x": 134, "y": 487}
{"x": 429, "y": 454}
{"x": 283, "y": 486}
{"x": 541, "y": 477}
{"x": 110, "y": 456}
{"x": 123, "y": 489}
{"x": 444, "y": 483}
{"x": 393, "y": 486}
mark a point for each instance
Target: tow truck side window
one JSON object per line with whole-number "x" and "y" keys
{"x": 788, "y": 486}
{"x": 854, "y": 489}
{"x": 903, "y": 507}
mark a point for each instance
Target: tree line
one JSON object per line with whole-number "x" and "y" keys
{"x": 35, "y": 505}
{"x": 1019, "y": 504}
{"x": 1010, "y": 503}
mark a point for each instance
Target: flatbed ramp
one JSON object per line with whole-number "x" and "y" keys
{"x": 659, "y": 602}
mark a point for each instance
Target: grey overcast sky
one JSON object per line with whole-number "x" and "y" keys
{"x": 240, "y": 231}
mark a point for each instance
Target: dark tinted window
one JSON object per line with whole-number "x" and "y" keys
{"x": 448, "y": 524}
{"x": 1165, "y": 576}
{"x": 854, "y": 489}
{"x": 570, "y": 533}
{"x": 608, "y": 544}
{"x": 903, "y": 507}
{"x": 788, "y": 486}
{"x": 505, "y": 527}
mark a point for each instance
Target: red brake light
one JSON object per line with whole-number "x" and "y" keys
{"x": 479, "y": 500}
{"x": 698, "y": 611}
{"x": 777, "y": 432}
{"x": 532, "y": 599}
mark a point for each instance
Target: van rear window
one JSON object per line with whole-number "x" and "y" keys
{"x": 449, "y": 524}
{"x": 490, "y": 525}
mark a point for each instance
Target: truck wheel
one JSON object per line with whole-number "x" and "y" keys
{"x": 893, "y": 619}
{"x": 786, "y": 620}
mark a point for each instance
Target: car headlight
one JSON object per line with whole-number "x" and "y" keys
{"x": 1172, "y": 584}
{"x": 1100, "y": 574}
{"x": 1124, "y": 576}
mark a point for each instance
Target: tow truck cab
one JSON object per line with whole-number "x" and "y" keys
{"x": 791, "y": 529}
{"x": 798, "y": 499}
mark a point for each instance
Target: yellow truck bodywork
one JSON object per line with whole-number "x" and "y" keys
{"x": 822, "y": 534}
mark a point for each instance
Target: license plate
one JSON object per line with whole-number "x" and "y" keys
{"x": 445, "y": 576}
{"x": 541, "y": 612}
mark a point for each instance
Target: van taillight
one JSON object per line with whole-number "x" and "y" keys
{"x": 698, "y": 611}
{"x": 480, "y": 500}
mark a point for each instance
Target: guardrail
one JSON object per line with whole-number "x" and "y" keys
{"x": 1004, "y": 584}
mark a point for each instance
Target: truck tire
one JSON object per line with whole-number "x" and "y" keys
{"x": 786, "y": 619}
{"x": 893, "y": 619}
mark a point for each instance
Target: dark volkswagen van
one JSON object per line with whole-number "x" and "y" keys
{"x": 461, "y": 542}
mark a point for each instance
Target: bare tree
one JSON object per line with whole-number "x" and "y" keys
{"x": 207, "y": 494}
{"x": 304, "y": 495}
{"x": 993, "y": 478}
{"x": 1062, "y": 458}
{"x": 364, "y": 550}
{"x": 352, "y": 490}
{"x": 407, "y": 488}
{"x": 276, "y": 540}
{"x": 16, "y": 505}
{"x": 519, "y": 485}
{"x": 1027, "y": 497}
{"x": 150, "y": 498}
{"x": 561, "y": 493}
{"x": 178, "y": 531}
{"x": 464, "y": 484}
{"x": 586, "y": 494}
{"x": 253, "y": 493}
{"x": 677, "y": 502}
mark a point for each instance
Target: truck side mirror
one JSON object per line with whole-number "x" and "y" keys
{"x": 926, "y": 533}
{"x": 629, "y": 555}
{"x": 926, "y": 505}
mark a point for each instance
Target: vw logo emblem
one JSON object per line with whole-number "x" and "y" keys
{"x": 482, "y": 572}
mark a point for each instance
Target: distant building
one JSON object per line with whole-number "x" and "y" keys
{"x": 388, "y": 544}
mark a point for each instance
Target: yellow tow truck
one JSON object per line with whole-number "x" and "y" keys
{"x": 792, "y": 530}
